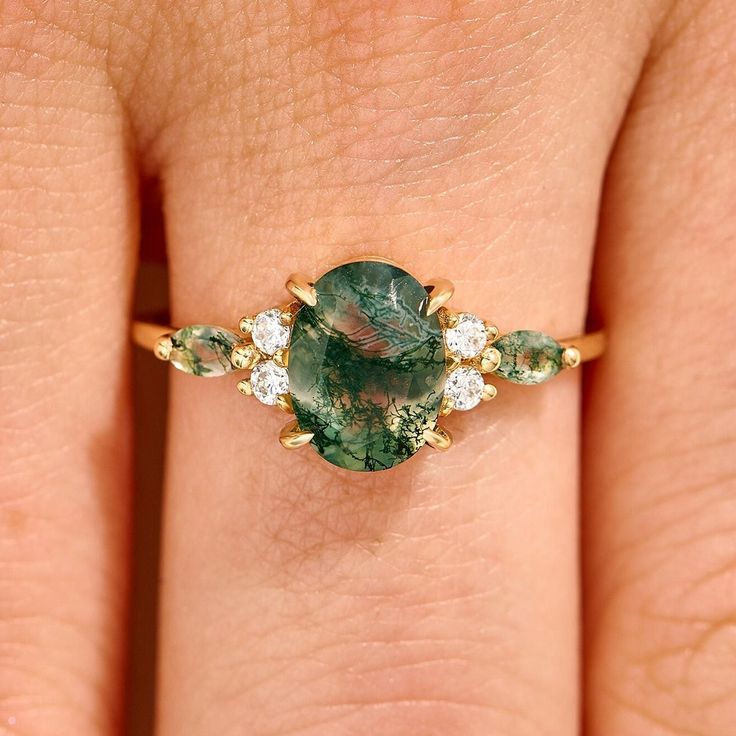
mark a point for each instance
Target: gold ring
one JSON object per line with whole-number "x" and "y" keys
{"x": 368, "y": 360}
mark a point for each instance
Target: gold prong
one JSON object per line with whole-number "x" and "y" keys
{"x": 490, "y": 359}
{"x": 245, "y": 387}
{"x": 291, "y": 437}
{"x": 163, "y": 347}
{"x": 299, "y": 287}
{"x": 452, "y": 362}
{"x": 446, "y": 406}
{"x": 491, "y": 331}
{"x": 246, "y": 324}
{"x": 245, "y": 356}
{"x": 438, "y": 438}
{"x": 489, "y": 392}
{"x": 590, "y": 346}
{"x": 571, "y": 357}
{"x": 439, "y": 292}
{"x": 448, "y": 318}
{"x": 281, "y": 357}
{"x": 286, "y": 317}
{"x": 283, "y": 401}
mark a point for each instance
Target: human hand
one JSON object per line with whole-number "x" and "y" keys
{"x": 467, "y": 139}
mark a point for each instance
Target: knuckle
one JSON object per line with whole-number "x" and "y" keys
{"x": 676, "y": 616}
{"x": 368, "y": 104}
{"x": 40, "y": 690}
{"x": 403, "y": 673}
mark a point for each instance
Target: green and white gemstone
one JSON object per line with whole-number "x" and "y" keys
{"x": 203, "y": 350}
{"x": 367, "y": 366}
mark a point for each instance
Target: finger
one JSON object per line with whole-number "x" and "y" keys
{"x": 302, "y": 599}
{"x": 66, "y": 238}
{"x": 660, "y": 503}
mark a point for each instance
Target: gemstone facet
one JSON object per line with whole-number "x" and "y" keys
{"x": 367, "y": 366}
{"x": 468, "y": 337}
{"x": 203, "y": 350}
{"x": 269, "y": 332}
{"x": 464, "y": 388}
{"x": 269, "y": 381}
{"x": 528, "y": 357}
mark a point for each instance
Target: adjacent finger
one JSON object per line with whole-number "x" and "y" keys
{"x": 659, "y": 493}
{"x": 66, "y": 239}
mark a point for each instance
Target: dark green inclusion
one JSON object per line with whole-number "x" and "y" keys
{"x": 203, "y": 350}
{"x": 367, "y": 366}
{"x": 528, "y": 357}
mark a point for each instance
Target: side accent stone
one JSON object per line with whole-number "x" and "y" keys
{"x": 528, "y": 357}
{"x": 203, "y": 350}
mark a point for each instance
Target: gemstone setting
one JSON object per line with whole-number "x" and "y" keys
{"x": 367, "y": 366}
{"x": 269, "y": 333}
{"x": 269, "y": 381}
{"x": 529, "y": 357}
{"x": 202, "y": 350}
{"x": 464, "y": 388}
{"x": 467, "y": 337}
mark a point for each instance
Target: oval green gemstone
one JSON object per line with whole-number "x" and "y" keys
{"x": 367, "y": 366}
{"x": 528, "y": 357}
{"x": 203, "y": 350}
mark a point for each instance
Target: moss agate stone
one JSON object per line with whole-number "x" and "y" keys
{"x": 367, "y": 366}
{"x": 203, "y": 350}
{"x": 528, "y": 357}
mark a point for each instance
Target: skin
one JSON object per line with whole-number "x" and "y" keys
{"x": 519, "y": 149}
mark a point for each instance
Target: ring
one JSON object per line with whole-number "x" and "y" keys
{"x": 367, "y": 359}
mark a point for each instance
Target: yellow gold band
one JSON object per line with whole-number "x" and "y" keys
{"x": 368, "y": 359}
{"x": 590, "y": 345}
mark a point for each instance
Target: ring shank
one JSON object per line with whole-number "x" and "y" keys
{"x": 146, "y": 334}
{"x": 590, "y": 345}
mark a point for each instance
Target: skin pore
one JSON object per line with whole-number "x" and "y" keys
{"x": 524, "y": 150}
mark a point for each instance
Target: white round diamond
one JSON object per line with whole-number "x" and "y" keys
{"x": 464, "y": 387}
{"x": 269, "y": 381}
{"x": 269, "y": 333}
{"x": 468, "y": 337}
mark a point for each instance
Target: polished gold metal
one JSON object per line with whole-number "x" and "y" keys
{"x": 286, "y": 317}
{"x": 448, "y": 319}
{"x": 446, "y": 406}
{"x": 163, "y": 347}
{"x": 245, "y": 387}
{"x": 439, "y": 292}
{"x": 147, "y": 334}
{"x": 490, "y": 359}
{"x": 292, "y": 438}
{"x": 281, "y": 357}
{"x": 452, "y": 362}
{"x": 301, "y": 288}
{"x": 489, "y": 392}
{"x": 491, "y": 331}
{"x": 590, "y": 346}
{"x": 246, "y": 324}
{"x": 438, "y": 438}
{"x": 245, "y": 356}
{"x": 284, "y": 403}
{"x": 571, "y": 357}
